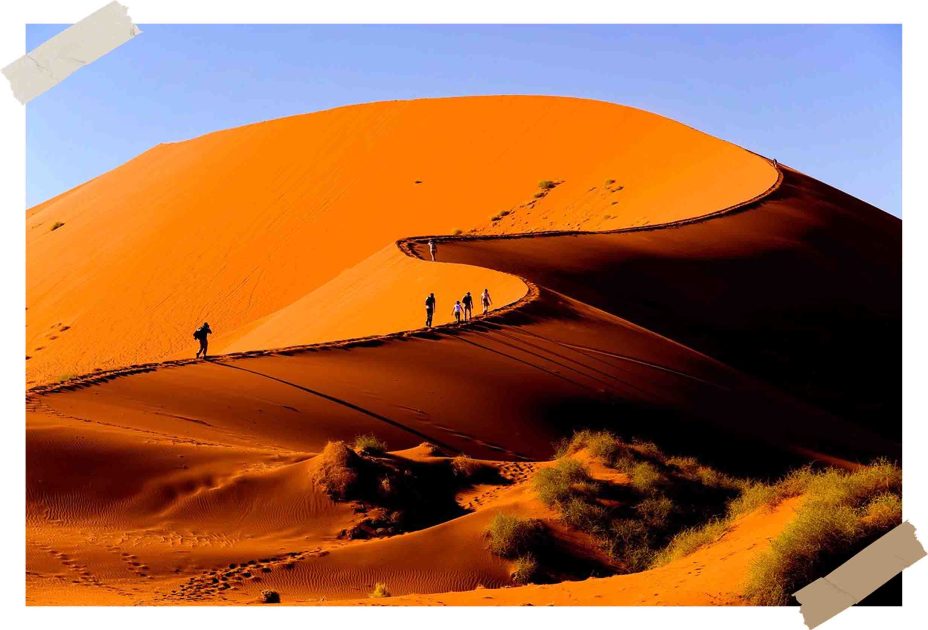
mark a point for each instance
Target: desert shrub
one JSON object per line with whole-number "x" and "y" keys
{"x": 645, "y": 477}
{"x": 689, "y": 540}
{"x": 629, "y": 542}
{"x": 380, "y": 590}
{"x": 584, "y": 515}
{"x": 655, "y": 510}
{"x": 511, "y": 536}
{"x": 56, "y": 225}
{"x": 457, "y": 232}
{"x": 337, "y": 474}
{"x": 758, "y": 494}
{"x": 525, "y": 569}
{"x": 563, "y": 480}
{"x": 467, "y": 469}
{"x": 539, "y": 195}
{"x": 610, "y": 182}
{"x": 270, "y": 597}
{"x": 546, "y": 184}
{"x": 369, "y": 445}
{"x": 842, "y": 513}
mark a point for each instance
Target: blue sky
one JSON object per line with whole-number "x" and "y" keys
{"x": 824, "y": 99}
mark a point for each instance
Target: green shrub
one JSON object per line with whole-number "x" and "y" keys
{"x": 511, "y": 536}
{"x": 525, "y": 569}
{"x": 655, "y": 511}
{"x": 689, "y": 540}
{"x": 584, "y": 515}
{"x": 369, "y": 445}
{"x": 565, "y": 479}
{"x": 466, "y": 469}
{"x": 842, "y": 513}
{"x": 645, "y": 478}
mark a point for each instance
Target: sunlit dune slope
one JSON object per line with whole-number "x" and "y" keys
{"x": 239, "y": 226}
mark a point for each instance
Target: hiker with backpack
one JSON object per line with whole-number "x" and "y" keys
{"x": 485, "y": 298}
{"x": 200, "y": 335}
{"x": 433, "y": 249}
{"x": 456, "y": 311}
{"x": 468, "y": 302}
{"x": 429, "y": 309}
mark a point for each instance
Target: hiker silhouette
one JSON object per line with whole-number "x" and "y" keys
{"x": 200, "y": 334}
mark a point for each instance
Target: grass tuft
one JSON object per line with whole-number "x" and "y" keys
{"x": 56, "y": 225}
{"x": 511, "y": 536}
{"x": 369, "y": 444}
{"x": 380, "y": 590}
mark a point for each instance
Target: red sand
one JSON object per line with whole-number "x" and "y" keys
{"x": 724, "y": 339}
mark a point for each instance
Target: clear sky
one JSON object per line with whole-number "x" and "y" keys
{"x": 824, "y": 99}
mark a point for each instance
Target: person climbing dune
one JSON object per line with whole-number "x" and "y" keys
{"x": 468, "y": 302}
{"x": 485, "y": 298}
{"x": 200, "y": 334}
{"x": 456, "y": 311}
{"x": 433, "y": 249}
{"x": 429, "y": 309}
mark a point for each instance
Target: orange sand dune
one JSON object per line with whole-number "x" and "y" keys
{"x": 239, "y": 226}
{"x": 727, "y": 338}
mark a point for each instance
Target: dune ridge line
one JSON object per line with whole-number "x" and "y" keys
{"x": 408, "y": 247}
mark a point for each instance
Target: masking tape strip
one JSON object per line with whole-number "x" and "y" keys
{"x": 78, "y": 45}
{"x": 861, "y": 575}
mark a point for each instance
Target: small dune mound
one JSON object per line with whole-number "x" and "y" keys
{"x": 397, "y": 492}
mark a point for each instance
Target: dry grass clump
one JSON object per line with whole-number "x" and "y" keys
{"x": 525, "y": 569}
{"x": 689, "y": 540}
{"x": 511, "y": 536}
{"x": 380, "y": 590}
{"x": 842, "y": 513}
{"x": 566, "y": 479}
{"x": 270, "y": 597}
{"x": 337, "y": 470}
{"x": 546, "y": 184}
{"x": 466, "y": 469}
{"x": 369, "y": 444}
{"x": 56, "y": 225}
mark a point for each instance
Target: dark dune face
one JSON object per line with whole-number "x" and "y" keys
{"x": 803, "y": 291}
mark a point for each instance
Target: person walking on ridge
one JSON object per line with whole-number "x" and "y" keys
{"x": 200, "y": 334}
{"x": 485, "y": 298}
{"x": 468, "y": 302}
{"x": 429, "y": 309}
{"x": 433, "y": 249}
{"x": 456, "y": 311}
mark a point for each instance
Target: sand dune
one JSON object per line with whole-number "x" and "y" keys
{"x": 728, "y": 332}
{"x": 238, "y": 226}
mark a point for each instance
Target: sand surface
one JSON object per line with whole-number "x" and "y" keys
{"x": 738, "y": 338}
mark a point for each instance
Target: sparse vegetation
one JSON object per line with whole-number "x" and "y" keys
{"x": 610, "y": 182}
{"x": 524, "y": 569}
{"x": 369, "y": 444}
{"x": 500, "y": 215}
{"x": 56, "y": 225}
{"x": 337, "y": 470}
{"x": 270, "y": 597}
{"x": 539, "y": 195}
{"x": 842, "y": 513}
{"x": 380, "y": 590}
{"x": 546, "y": 184}
{"x": 511, "y": 536}
{"x": 467, "y": 469}
{"x": 457, "y": 232}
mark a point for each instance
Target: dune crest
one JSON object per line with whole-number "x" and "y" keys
{"x": 258, "y": 229}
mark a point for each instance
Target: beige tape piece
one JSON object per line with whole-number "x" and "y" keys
{"x": 70, "y": 50}
{"x": 861, "y": 575}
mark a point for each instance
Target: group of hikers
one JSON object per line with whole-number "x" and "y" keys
{"x": 463, "y": 309}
